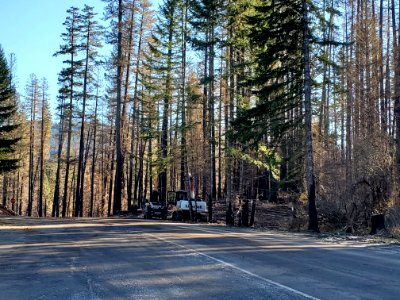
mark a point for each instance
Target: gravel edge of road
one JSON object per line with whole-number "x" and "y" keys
{"x": 328, "y": 237}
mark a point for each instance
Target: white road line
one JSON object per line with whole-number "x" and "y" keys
{"x": 236, "y": 268}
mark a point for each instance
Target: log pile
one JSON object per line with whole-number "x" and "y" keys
{"x": 5, "y": 212}
{"x": 274, "y": 217}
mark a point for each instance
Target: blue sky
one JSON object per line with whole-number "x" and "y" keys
{"x": 31, "y": 30}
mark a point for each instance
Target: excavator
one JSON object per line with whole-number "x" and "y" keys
{"x": 185, "y": 206}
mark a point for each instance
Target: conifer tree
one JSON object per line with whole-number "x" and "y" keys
{"x": 118, "y": 185}
{"x": 90, "y": 34}
{"x": 166, "y": 48}
{"x": 7, "y": 109}
{"x": 32, "y": 98}
{"x": 205, "y": 19}
{"x": 45, "y": 124}
{"x": 311, "y": 190}
{"x": 69, "y": 82}
{"x": 280, "y": 36}
{"x": 62, "y": 97}
{"x": 145, "y": 24}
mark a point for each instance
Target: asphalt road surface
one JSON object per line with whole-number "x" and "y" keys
{"x": 145, "y": 259}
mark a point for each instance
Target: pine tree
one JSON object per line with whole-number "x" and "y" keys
{"x": 280, "y": 37}
{"x": 63, "y": 95}
{"x": 238, "y": 58}
{"x": 165, "y": 48}
{"x": 69, "y": 82}
{"x": 90, "y": 33}
{"x": 311, "y": 190}
{"x": 94, "y": 150}
{"x": 205, "y": 18}
{"x": 44, "y": 135}
{"x": 137, "y": 157}
{"x": 118, "y": 185}
{"x": 7, "y": 109}
{"x": 32, "y": 98}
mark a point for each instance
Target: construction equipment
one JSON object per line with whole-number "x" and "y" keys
{"x": 180, "y": 203}
{"x": 155, "y": 210}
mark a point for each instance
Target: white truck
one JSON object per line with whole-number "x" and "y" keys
{"x": 179, "y": 203}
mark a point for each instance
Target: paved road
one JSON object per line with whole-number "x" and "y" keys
{"x": 144, "y": 259}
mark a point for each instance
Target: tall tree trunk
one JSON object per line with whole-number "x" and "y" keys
{"x": 162, "y": 178}
{"x": 56, "y": 199}
{"x": 204, "y": 120}
{"x": 183, "y": 103}
{"x": 312, "y": 210}
{"x": 32, "y": 147}
{"x": 211, "y": 115}
{"x": 324, "y": 104}
{"x": 139, "y": 181}
{"x": 111, "y": 184}
{"x": 120, "y": 160}
{"x": 93, "y": 174}
{"x": 229, "y": 143}
{"x": 81, "y": 174}
{"x": 135, "y": 113}
{"x": 396, "y": 113}
{"x": 381, "y": 74}
{"x": 40, "y": 199}
{"x": 69, "y": 139}
{"x": 388, "y": 112}
{"x": 125, "y": 101}
{"x": 349, "y": 133}
{"x": 221, "y": 101}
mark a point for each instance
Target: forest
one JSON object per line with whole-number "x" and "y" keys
{"x": 287, "y": 106}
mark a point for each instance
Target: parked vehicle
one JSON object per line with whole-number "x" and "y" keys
{"x": 180, "y": 204}
{"x": 155, "y": 210}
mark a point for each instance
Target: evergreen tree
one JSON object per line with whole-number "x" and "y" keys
{"x": 205, "y": 19}
{"x": 69, "y": 82}
{"x": 116, "y": 11}
{"x": 45, "y": 124}
{"x": 137, "y": 157}
{"x": 310, "y": 178}
{"x": 166, "y": 50}
{"x": 62, "y": 97}
{"x": 7, "y": 109}
{"x": 32, "y": 99}
{"x": 280, "y": 37}
{"x": 90, "y": 33}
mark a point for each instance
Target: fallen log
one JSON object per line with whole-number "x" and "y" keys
{"x": 4, "y": 211}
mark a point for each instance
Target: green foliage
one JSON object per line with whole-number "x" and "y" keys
{"x": 275, "y": 38}
{"x": 165, "y": 41}
{"x": 68, "y": 76}
{"x": 163, "y": 59}
{"x": 263, "y": 157}
{"x": 272, "y": 33}
{"x": 205, "y": 15}
{"x": 7, "y": 110}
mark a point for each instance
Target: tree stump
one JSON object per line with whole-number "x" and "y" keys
{"x": 230, "y": 218}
